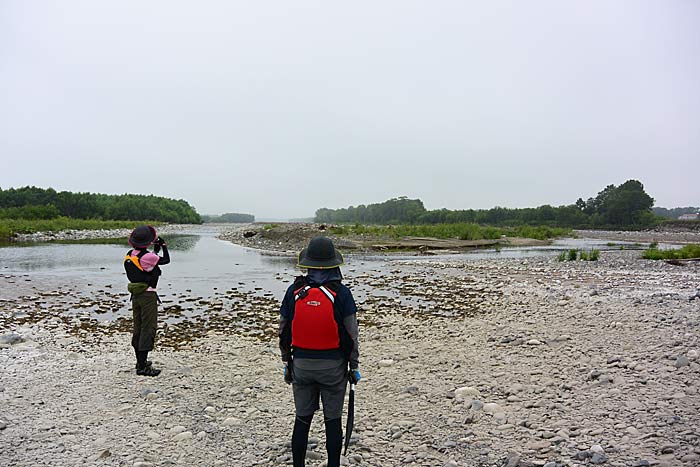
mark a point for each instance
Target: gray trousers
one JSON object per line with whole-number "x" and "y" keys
{"x": 327, "y": 384}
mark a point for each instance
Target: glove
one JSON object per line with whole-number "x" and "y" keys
{"x": 354, "y": 376}
{"x": 287, "y": 373}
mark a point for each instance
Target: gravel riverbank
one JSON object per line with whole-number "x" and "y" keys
{"x": 77, "y": 235}
{"x": 490, "y": 362}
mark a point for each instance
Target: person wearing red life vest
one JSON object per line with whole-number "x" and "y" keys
{"x": 318, "y": 337}
{"x": 142, "y": 270}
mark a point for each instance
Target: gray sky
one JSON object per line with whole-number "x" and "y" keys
{"x": 279, "y": 108}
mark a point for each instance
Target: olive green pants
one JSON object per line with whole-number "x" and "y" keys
{"x": 145, "y": 308}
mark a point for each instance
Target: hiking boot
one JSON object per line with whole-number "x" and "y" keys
{"x": 147, "y": 371}
{"x": 148, "y": 363}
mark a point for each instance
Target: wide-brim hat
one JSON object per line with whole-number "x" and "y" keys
{"x": 320, "y": 254}
{"x": 142, "y": 236}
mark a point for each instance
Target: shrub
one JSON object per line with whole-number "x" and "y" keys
{"x": 688, "y": 251}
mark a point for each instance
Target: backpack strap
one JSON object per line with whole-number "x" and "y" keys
{"x": 327, "y": 292}
{"x": 135, "y": 259}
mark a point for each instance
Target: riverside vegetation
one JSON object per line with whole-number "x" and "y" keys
{"x": 32, "y": 209}
{"x": 686, "y": 252}
{"x": 626, "y": 206}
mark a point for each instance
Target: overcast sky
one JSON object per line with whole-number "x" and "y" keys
{"x": 280, "y": 108}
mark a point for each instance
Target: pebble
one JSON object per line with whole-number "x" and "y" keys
{"x": 492, "y": 407}
{"x": 231, "y": 421}
{"x": 185, "y": 435}
{"x": 682, "y": 361}
{"x": 466, "y": 392}
{"x": 176, "y": 430}
{"x": 386, "y": 363}
{"x": 11, "y": 338}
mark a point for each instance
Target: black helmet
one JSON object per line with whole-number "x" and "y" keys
{"x": 142, "y": 236}
{"x": 320, "y": 254}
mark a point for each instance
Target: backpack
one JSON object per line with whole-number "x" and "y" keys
{"x": 316, "y": 323}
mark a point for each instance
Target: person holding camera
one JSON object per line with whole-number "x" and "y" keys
{"x": 318, "y": 339}
{"x": 143, "y": 270}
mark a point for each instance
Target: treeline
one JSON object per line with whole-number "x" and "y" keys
{"x": 39, "y": 203}
{"x": 229, "y": 218}
{"x": 626, "y": 206}
{"x": 675, "y": 213}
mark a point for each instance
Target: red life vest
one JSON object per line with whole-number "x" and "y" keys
{"x": 313, "y": 325}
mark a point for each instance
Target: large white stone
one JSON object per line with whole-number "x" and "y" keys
{"x": 466, "y": 393}
{"x": 492, "y": 407}
{"x": 185, "y": 435}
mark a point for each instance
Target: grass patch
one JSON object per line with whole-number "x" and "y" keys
{"x": 688, "y": 251}
{"x": 582, "y": 255}
{"x": 462, "y": 231}
{"x": 10, "y": 227}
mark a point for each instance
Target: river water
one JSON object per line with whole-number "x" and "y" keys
{"x": 201, "y": 262}
{"x": 204, "y": 266}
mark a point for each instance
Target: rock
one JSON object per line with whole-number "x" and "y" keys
{"x": 466, "y": 392}
{"x": 534, "y": 342}
{"x": 598, "y": 458}
{"x": 597, "y": 448}
{"x": 185, "y": 435}
{"x": 682, "y": 361}
{"x": 476, "y": 405}
{"x": 231, "y": 421}
{"x": 3, "y": 425}
{"x": 210, "y": 409}
{"x": 143, "y": 464}
{"x": 176, "y": 430}
{"x": 538, "y": 445}
{"x": 692, "y": 354}
{"x": 151, "y": 396}
{"x": 11, "y": 338}
{"x": 104, "y": 454}
{"x": 513, "y": 460}
{"x": 313, "y": 455}
{"x": 386, "y": 363}
{"x": 492, "y": 407}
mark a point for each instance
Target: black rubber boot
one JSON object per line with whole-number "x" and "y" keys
{"x": 148, "y": 362}
{"x": 143, "y": 366}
